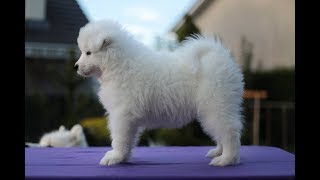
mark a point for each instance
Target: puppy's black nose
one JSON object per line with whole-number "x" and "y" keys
{"x": 76, "y": 67}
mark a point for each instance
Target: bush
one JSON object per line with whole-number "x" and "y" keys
{"x": 279, "y": 83}
{"x": 46, "y": 113}
{"x": 96, "y": 131}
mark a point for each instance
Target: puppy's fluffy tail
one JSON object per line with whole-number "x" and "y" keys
{"x": 197, "y": 47}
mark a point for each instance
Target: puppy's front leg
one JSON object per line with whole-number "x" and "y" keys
{"x": 123, "y": 134}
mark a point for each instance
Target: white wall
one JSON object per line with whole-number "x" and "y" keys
{"x": 268, "y": 24}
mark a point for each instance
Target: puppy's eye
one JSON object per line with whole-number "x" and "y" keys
{"x": 88, "y": 53}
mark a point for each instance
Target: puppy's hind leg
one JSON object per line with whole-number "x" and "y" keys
{"x": 215, "y": 152}
{"x": 226, "y": 131}
{"x": 231, "y": 149}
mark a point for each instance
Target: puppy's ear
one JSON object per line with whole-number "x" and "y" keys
{"x": 76, "y": 129}
{"x": 106, "y": 43}
{"x": 76, "y": 132}
{"x": 62, "y": 128}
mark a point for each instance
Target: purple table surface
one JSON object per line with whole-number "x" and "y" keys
{"x": 257, "y": 162}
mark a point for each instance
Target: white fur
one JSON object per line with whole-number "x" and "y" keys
{"x": 65, "y": 138}
{"x": 143, "y": 89}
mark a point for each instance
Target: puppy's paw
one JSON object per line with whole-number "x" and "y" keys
{"x": 224, "y": 161}
{"x": 112, "y": 157}
{"x": 214, "y": 153}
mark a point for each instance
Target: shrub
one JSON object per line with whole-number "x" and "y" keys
{"x": 96, "y": 131}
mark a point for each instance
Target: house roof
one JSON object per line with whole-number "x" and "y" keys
{"x": 62, "y": 24}
{"x": 198, "y": 7}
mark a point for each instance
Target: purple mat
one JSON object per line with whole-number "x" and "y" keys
{"x": 257, "y": 162}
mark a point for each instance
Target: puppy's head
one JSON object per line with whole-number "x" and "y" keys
{"x": 97, "y": 41}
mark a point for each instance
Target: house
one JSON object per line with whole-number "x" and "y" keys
{"x": 51, "y": 30}
{"x": 269, "y": 25}
{"x": 54, "y": 94}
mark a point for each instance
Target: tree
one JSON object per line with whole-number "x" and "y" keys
{"x": 71, "y": 82}
{"x": 247, "y": 54}
{"x": 187, "y": 29}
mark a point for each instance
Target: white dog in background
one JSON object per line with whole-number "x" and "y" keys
{"x": 64, "y": 138}
{"x": 143, "y": 89}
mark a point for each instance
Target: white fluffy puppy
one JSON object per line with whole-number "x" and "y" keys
{"x": 65, "y": 138}
{"x": 143, "y": 89}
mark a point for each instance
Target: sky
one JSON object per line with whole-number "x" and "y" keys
{"x": 145, "y": 19}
